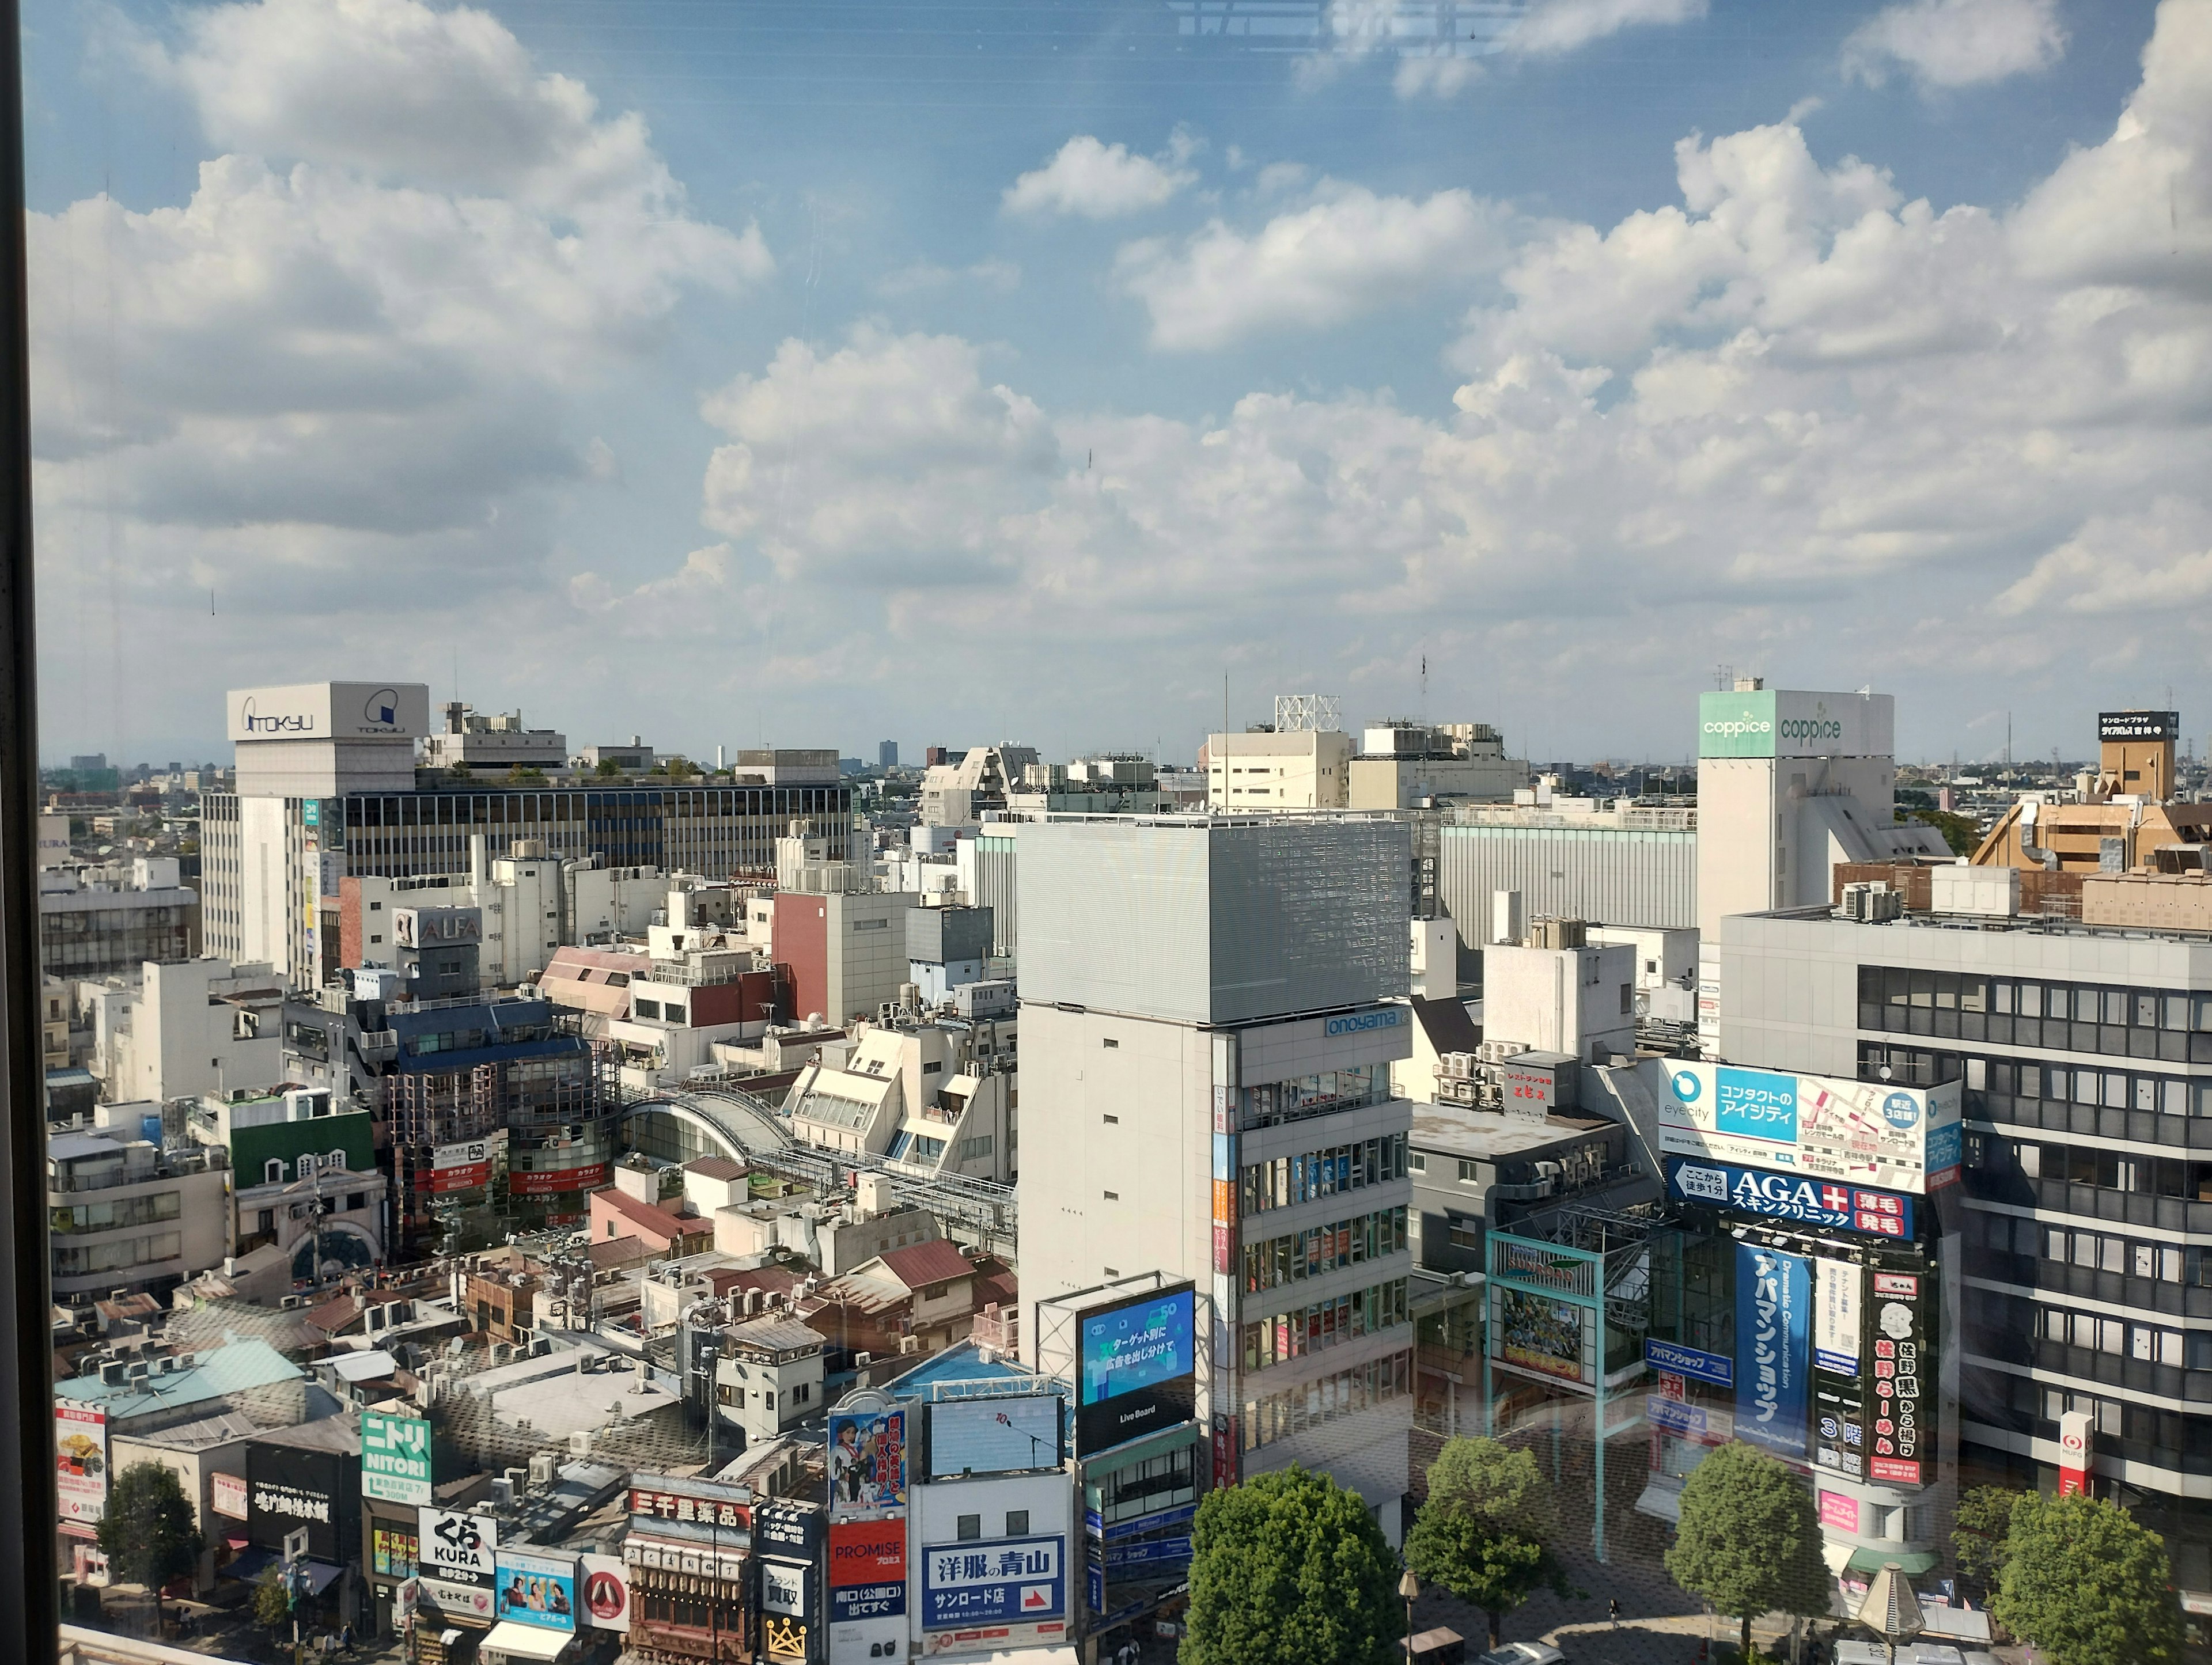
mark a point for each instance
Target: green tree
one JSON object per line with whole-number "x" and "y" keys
{"x": 2086, "y": 1584}
{"x": 607, "y": 768}
{"x": 1287, "y": 1568}
{"x": 525, "y": 772}
{"x": 1961, "y": 832}
{"x": 271, "y": 1606}
{"x": 1977, "y": 1544}
{"x": 147, "y": 1531}
{"x": 681, "y": 768}
{"x": 1749, "y": 1540}
{"x": 1482, "y": 1533}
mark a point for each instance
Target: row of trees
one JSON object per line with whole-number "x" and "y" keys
{"x": 1290, "y": 1567}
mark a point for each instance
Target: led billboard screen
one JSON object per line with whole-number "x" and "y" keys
{"x": 1136, "y": 1367}
{"x": 995, "y": 1436}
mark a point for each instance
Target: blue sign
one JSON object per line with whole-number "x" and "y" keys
{"x": 1097, "y": 1583}
{"x": 1901, "y": 1110}
{"x": 1388, "y": 1017}
{"x": 1006, "y": 1581}
{"x": 1756, "y": 1104}
{"x": 1152, "y": 1551}
{"x": 1693, "y": 1362}
{"x": 1791, "y": 1197}
{"x": 537, "y": 1588}
{"x": 1673, "y": 1416}
{"x": 1945, "y": 1151}
{"x": 1126, "y": 1349}
{"x": 1773, "y": 1324}
{"x": 1152, "y": 1522}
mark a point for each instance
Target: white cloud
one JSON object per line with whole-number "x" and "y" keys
{"x": 925, "y": 278}
{"x": 1957, "y": 43}
{"x": 1346, "y": 252}
{"x": 1788, "y": 420}
{"x": 1556, "y": 27}
{"x": 373, "y": 327}
{"x": 1101, "y": 181}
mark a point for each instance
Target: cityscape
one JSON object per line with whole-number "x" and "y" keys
{"x": 1242, "y": 832}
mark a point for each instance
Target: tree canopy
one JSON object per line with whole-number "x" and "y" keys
{"x": 1482, "y": 1533}
{"x": 2086, "y": 1584}
{"x": 1286, "y": 1569}
{"x": 147, "y": 1531}
{"x": 1977, "y": 1544}
{"x": 1749, "y": 1541}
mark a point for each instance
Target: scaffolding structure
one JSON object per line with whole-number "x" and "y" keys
{"x": 1320, "y": 714}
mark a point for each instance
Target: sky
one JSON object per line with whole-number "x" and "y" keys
{"x": 1065, "y": 372}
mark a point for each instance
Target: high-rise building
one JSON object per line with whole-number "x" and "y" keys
{"x": 1206, "y": 1093}
{"x": 887, "y": 754}
{"x": 327, "y": 787}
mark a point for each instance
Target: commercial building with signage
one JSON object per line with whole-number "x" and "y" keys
{"x": 2082, "y": 1278}
{"x": 689, "y": 1554}
{"x": 1207, "y": 1034}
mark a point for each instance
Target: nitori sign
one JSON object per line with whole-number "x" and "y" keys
{"x": 395, "y": 1457}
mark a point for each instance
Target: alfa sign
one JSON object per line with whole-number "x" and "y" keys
{"x": 395, "y": 1457}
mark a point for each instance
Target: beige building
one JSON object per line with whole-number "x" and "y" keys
{"x": 1403, "y": 762}
{"x": 1302, "y": 770}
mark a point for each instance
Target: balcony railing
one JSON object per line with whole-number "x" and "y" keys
{"x": 72, "y": 1184}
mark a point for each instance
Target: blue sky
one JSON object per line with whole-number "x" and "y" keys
{"x": 949, "y": 373}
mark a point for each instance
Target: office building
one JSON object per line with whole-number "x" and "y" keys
{"x": 956, "y": 794}
{"x": 193, "y": 1027}
{"x": 125, "y": 1213}
{"x": 887, "y": 754}
{"x": 327, "y": 787}
{"x": 847, "y": 951}
{"x": 1276, "y": 767}
{"x": 472, "y": 743}
{"x": 1403, "y": 764}
{"x": 1623, "y": 863}
{"x": 1206, "y": 1046}
{"x": 103, "y": 921}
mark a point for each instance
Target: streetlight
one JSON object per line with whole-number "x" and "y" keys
{"x": 1409, "y": 1587}
{"x": 1890, "y": 1610}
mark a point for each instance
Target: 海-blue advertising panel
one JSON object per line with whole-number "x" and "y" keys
{"x": 1773, "y": 1334}
{"x": 998, "y": 1582}
{"x": 537, "y": 1590}
{"x": 1136, "y": 1368}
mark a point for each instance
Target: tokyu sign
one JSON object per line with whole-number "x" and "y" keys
{"x": 395, "y": 1457}
{"x": 1764, "y": 722}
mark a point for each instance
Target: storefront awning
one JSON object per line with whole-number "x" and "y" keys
{"x": 1838, "y": 1556}
{"x": 514, "y": 1641}
{"x": 249, "y": 1563}
{"x": 321, "y": 1575}
{"x": 1914, "y": 1562}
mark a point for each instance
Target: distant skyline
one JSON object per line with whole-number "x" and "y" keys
{"x": 716, "y": 373}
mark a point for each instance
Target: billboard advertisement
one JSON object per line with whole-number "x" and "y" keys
{"x": 230, "y": 1495}
{"x": 1767, "y": 722}
{"x": 537, "y": 1588}
{"x": 459, "y": 1549}
{"x": 1008, "y": 1436}
{"x": 464, "y": 1166}
{"x": 994, "y": 1582}
{"x": 606, "y": 1593}
{"x": 1677, "y": 1359}
{"x": 290, "y": 1487}
{"x": 547, "y": 1182}
{"x": 80, "y": 1462}
{"x": 1536, "y": 1333}
{"x": 1793, "y": 1197}
{"x": 330, "y": 711}
{"x": 395, "y": 1458}
{"x": 1136, "y": 1368}
{"x": 394, "y": 1552}
{"x": 1839, "y": 1387}
{"x": 1903, "y": 1426}
{"x": 1862, "y": 1133}
{"x": 867, "y": 1570}
{"x": 867, "y": 1461}
{"x": 1773, "y": 1322}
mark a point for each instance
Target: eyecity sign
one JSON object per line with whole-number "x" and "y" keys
{"x": 1772, "y": 723}
{"x": 1860, "y": 1133}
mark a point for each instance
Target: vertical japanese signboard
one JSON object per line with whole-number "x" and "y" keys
{"x": 81, "y": 1453}
{"x": 1839, "y": 1381}
{"x": 1773, "y": 1301}
{"x": 1904, "y": 1425}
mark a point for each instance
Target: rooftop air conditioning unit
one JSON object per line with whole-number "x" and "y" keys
{"x": 502, "y": 1492}
{"x": 541, "y": 1468}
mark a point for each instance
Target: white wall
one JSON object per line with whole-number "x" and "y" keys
{"x": 1576, "y": 1001}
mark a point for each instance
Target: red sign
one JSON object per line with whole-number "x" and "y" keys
{"x": 1890, "y": 1469}
{"x": 443, "y": 1180}
{"x": 675, "y": 1506}
{"x": 606, "y": 1598}
{"x": 528, "y": 1182}
{"x": 866, "y": 1553}
{"x": 2073, "y": 1453}
{"x": 1225, "y": 1455}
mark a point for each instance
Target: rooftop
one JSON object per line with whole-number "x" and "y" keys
{"x": 1486, "y": 1137}
{"x": 936, "y": 1261}
{"x": 1447, "y": 1024}
{"x": 229, "y": 1369}
{"x": 775, "y": 1336}
{"x": 715, "y": 1168}
{"x": 964, "y": 1362}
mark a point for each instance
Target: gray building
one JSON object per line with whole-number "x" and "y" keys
{"x": 1614, "y": 866}
{"x": 2084, "y": 1218}
{"x": 1206, "y": 1093}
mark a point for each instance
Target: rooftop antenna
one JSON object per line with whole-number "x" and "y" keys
{"x": 1425, "y": 688}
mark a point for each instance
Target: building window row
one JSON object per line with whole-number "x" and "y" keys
{"x": 1322, "y": 1094}
{"x": 2106, "y": 1170}
{"x": 2172, "y": 1024}
{"x": 114, "y": 1216}
{"x": 1300, "y": 1254}
{"x": 2101, "y": 1251}
{"x": 1148, "y": 1487}
{"x": 1323, "y": 1324}
{"x": 1279, "y": 1415}
{"x": 1288, "y": 1181}
{"x": 2122, "y": 1339}
{"x": 117, "y": 1255}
